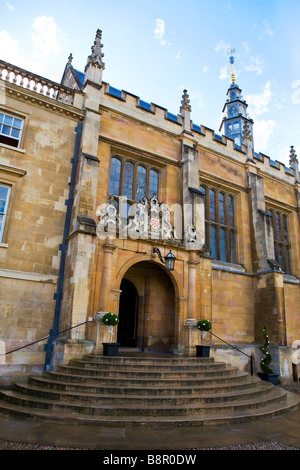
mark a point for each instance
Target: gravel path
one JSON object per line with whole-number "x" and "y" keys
{"x": 9, "y": 445}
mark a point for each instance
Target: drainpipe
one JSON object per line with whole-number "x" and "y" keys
{"x": 48, "y": 348}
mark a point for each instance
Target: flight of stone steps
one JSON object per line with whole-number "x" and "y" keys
{"x": 145, "y": 389}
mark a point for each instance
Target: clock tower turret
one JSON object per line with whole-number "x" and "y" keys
{"x": 235, "y": 112}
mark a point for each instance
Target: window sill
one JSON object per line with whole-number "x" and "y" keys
{"x": 222, "y": 265}
{"x": 10, "y": 147}
{"x": 3, "y": 245}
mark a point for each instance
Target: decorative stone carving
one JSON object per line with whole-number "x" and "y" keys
{"x": 107, "y": 222}
{"x": 294, "y": 163}
{"x": 185, "y": 102}
{"x": 149, "y": 219}
{"x": 191, "y": 235}
{"x": 96, "y": 57}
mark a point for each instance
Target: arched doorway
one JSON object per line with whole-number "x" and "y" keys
{"x": 127, "y": 328}
{"x": 148, "y": 303}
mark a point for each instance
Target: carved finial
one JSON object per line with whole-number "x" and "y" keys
{"x": 247, "y": 135}
{"x": 293, "y": 157}
{"x": 70, "y": 58}
{"x": 185, "y": 102}
{"x": 294, "y": 164}
{"x": 96, "y": 57}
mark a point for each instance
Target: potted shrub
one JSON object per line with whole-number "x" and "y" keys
{"x": 110, "y": 349}
{"x": 267, "y": 372}
{"x": 203, "y": 350}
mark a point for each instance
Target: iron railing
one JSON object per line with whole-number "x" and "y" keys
{"x": 46, "y": 337}
{"x": 91, "y": 321}
{"x": 234, "y": 347}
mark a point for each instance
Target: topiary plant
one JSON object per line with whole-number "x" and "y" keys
{"x": 204, "y": 325}
{"x": 266, "y": 361}
{"x": 110, "y": 319}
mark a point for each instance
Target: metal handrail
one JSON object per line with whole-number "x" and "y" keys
{"x": 46, "y": 337}
{"x": 234, "y": 347}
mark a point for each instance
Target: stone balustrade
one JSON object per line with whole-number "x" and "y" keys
{"x": 36, "y": 83}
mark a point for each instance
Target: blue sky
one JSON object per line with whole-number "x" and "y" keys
{"x": 155, "y": 49}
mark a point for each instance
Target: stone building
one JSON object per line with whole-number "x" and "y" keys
{"x": 97, "y": 187}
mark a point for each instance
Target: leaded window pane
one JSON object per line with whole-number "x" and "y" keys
{"x": 213, "y": 241}
{"x": 153, "y": 184}
{"x": 232, "y": 246}
{"x": 141, "y": 184}
{"x": 128, "y": 180}
{"x": 115, "y": 177}
{"x": 223, "y": 245}
{"x": 231, "y": 221}
{"x": 212, "y": 205}
{"x": 222, "y": 210}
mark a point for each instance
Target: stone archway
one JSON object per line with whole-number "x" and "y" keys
{"x": 155, "y": 307}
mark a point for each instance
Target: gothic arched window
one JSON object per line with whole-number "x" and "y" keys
{"x": 282, "y": 246}
{"x": 132, "y": 180}
{"x": 220, "y": 230}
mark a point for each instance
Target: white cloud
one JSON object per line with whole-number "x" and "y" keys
{"x": 265, "y": 30}
{"x": 10, "y": 52}
{"x": 222, "y": 46}
{"x": 223, "y": 73}
{"x": 9, "y": 5}
{"x": 259, "y": 103}
{"x": 159, "y": 32}
{"x": 205, "y": 69}
{"x": 178, "y": 55}
{"x": 263, "y": 131}
{"x": 255, "y": 65}
{"x": 46, "y": 38}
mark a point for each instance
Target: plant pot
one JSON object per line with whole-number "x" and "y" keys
{"x": 202, "y": 351}
{"x": 111, "y": 349}
{"x": 272, "y": 378}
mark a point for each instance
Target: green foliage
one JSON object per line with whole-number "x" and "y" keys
{"x": 266, "y": 361}
{"x": 204, "y": 325}
{"x": 110, "y": 319}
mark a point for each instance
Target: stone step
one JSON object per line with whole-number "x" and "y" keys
{"x": 120, "y": 391}
{"x": 145, "y": 381}
{"x": 285, "y": 405}
{"x": 146, "y": 366}
{"x": 146, "y": 358}
{"x": 146, "y": 399}
{"x": 211, "y": 386}
{"x": 150, "y": 373}
{"x": 160, "y": 409}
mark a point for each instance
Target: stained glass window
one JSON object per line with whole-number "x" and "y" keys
{"x": 153, "y": 183}
{"x": 231, "y": 211}
{"x": 222, "y": 211}
{"x": 131, "y": 180}
{"x": 223, "y": 245}
{"x": 282, "y": 246}
{"x": 128, "y": 180}
{"x": 213, "y": 241}
{"x": 141, "y": 183}
{"x": 220, "y": 230}
{"x": 212, "y": 205}
{"x": 115, "y": 177}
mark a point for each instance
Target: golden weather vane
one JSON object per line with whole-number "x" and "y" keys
{"x": 231, "y": 60}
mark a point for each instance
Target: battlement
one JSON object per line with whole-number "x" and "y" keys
{"x": 152, "y": 113}
{"x": 156, "y": 113}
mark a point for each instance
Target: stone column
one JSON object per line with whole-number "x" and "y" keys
{"x": 192, "y": 264}
{"x": 108, "y": 249}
